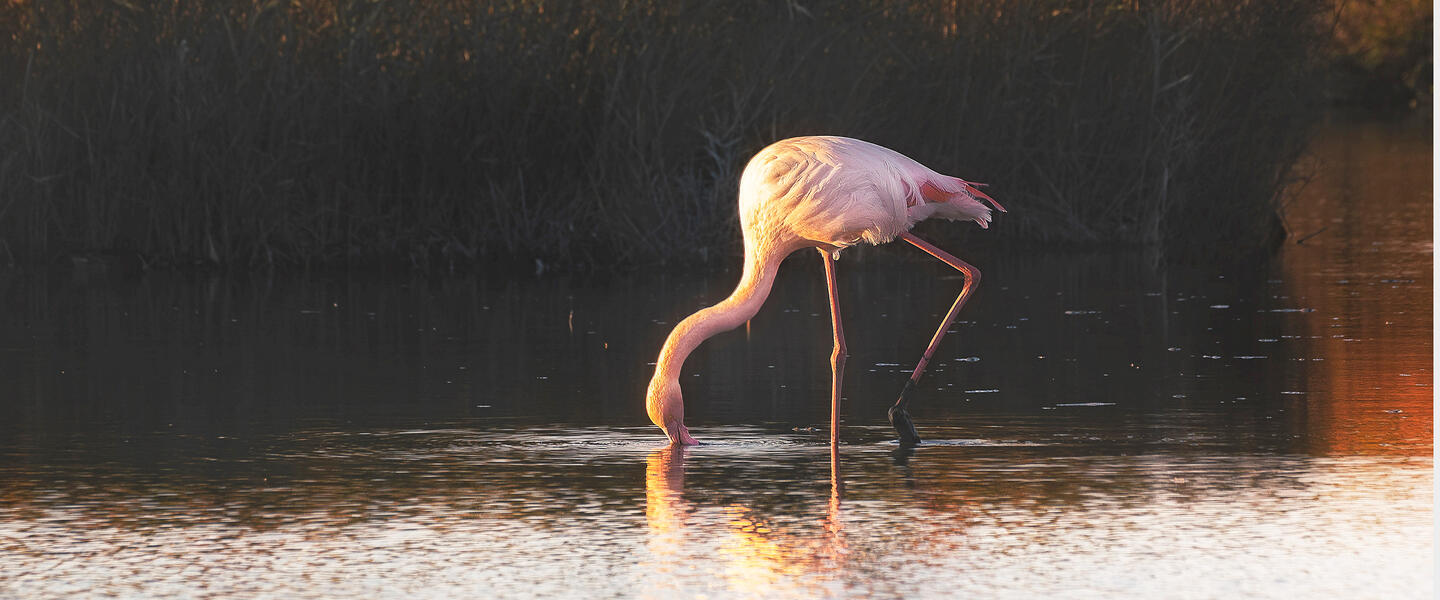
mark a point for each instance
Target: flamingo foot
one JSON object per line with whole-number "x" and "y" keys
{"x": 900, "y": 419}
{"x": 904, "y": 426}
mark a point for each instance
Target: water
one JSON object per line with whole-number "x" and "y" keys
{"x": 1096, "y": 427}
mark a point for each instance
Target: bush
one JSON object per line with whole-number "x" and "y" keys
{"x": 350, "y": 131}
{"x": 1383, "y": 52}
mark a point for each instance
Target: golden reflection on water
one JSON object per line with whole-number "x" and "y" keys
{"x": 758, "y": 555}
{"x": 502, "y": 515}
{"x": 664, "y": 506}
{"x": 1367, "y": 275}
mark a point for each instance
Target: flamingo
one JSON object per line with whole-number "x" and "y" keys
{"x": 827, "y": 193}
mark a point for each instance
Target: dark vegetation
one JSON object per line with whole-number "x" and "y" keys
{"x": 1382, "y": 60}
{"x": 581, "y": 133}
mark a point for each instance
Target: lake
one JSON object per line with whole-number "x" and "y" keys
{"x": 1096, "y": 426}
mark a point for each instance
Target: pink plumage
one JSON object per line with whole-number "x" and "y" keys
{"x": 829, "y": 193}
{"x": 839, "y": 191}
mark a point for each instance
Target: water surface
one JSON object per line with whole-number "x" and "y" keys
{"x": 1096, "y": 426}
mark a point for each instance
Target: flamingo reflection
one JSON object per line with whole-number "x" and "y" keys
{"x": 760, "y": 554}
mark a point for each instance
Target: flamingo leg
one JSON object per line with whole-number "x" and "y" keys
{"x": 837, "y": 358}
{"x": 899, "y": 416}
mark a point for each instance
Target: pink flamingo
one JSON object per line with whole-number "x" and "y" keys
{"x": 828, "y": 193}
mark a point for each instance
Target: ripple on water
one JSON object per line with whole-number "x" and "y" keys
{"x": 612, "y": 511}
{"x": 932, "y": 442}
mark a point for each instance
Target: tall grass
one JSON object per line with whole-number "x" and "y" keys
{"x": 334, "y": 131}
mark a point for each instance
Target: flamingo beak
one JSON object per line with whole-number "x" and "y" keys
{"x": 679, "y": 435}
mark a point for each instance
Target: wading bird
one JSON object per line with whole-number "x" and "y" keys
{"x": 827, "y": 193}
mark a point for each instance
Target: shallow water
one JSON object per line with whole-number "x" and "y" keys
{"x": 1095, "y": 427}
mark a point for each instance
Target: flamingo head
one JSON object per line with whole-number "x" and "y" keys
{"x": 667, "y": 410}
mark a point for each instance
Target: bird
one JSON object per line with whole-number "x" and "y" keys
{"x": 828, "y": 193}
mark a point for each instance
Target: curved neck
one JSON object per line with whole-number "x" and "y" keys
{"x": 743, "y": 303}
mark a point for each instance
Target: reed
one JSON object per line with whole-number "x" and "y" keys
{"x": 461, "y": 133}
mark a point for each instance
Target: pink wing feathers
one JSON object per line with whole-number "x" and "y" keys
{"x": 932, "y": 193}
{"x": 949, "y": 198}
{"x": 973, "y": 190}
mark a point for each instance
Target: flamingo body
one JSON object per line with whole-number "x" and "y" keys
{"x": 837, "y": 191}
{"x": 822, "y": 192}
